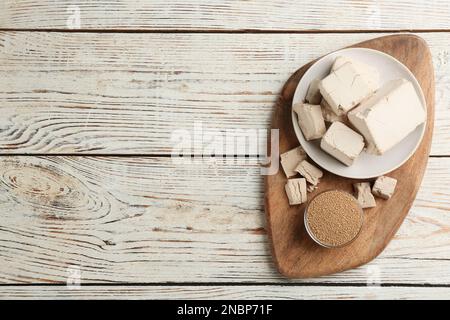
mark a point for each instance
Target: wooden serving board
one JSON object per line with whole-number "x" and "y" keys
{"x": 295, "y": 254}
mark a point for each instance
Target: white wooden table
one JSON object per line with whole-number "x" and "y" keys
{"x": 87, "y": 184}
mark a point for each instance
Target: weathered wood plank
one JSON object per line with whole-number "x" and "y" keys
{"x": 238, "y": 292}
{"x": 226, "y": 15}
{"x": 144, "y": 219}
{"x": 127, "y": 93}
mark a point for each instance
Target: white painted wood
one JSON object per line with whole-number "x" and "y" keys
{"x": 147, "y": 220}
{"x": 226, "y": 15}
{"x": 239, "y": 292}
{"x": 127, "y": 93}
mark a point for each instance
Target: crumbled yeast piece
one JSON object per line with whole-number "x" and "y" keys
{"x": 310, "y": 120}
{"x": 290, "y": 160}
{"x": 384, "y": 187}
{"x": 364, "y": 195}
{"x": 296, "y": 191}
{"x": 313, "y": 95}
{"x": 311, "y": 173}
{"x": 329, "y": 115}
{"x": 311, "y": 188}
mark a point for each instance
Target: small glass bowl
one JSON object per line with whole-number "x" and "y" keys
{"x": 311, "y": 234}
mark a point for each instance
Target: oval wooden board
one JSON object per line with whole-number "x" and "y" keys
{"x": 295, "y": 254}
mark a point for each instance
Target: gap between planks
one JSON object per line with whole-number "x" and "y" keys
{"x": 214, "y": 31}
{"x": 230, "y": 284}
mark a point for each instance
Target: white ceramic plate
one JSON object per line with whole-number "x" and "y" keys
{"x": 366, "y": 165}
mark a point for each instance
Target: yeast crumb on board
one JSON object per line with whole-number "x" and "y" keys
{"x": 291, "y": 159}
{"x": 296, "y": 191}
{"x": 384, "y": 187}
{"x": 364, "y": 195}
{"x": 310, "y": 172}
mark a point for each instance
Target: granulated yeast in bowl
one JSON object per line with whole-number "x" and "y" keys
{"x": 333, "y": 218}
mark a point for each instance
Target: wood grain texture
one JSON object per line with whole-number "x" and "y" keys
{"x": 295, "y": 253}
{"x": 227, "y": 15}
{"x": 127, "y": 93}
{"x": 238, "y": 292}
{"x": 147, "y": 220}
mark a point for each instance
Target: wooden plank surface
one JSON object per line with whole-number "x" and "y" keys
{"x": 239, "y": 292}
{"x": 226, "y": 15}
{"x": 127, "y": 93}
{"x": 147, "y": 220}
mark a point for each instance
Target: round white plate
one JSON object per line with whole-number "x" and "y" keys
{"x": 366, "y": 165}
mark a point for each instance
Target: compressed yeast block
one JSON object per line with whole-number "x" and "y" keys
{"x": 296, "y": 191}
{"x": 387, "y": 117}
{"x": 369, "y": 73}
{"x": 344, "y": 88}
{"x": 310, "y": 120}
{"x": 342, "y": 143}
